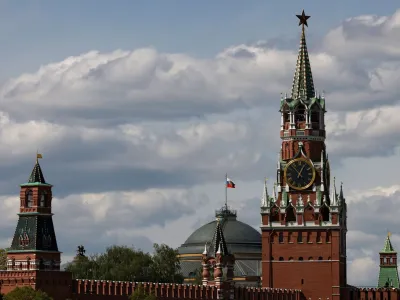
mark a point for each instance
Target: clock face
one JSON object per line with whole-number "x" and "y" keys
{"x": 299, "y": 174}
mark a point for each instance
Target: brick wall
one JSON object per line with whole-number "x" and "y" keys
{"x": 107, "y": 290}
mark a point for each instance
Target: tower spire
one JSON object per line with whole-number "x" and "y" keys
{"x": 303, "y": 84}
{"x": 37, "y": 174}
{"x": 265, "y": 198}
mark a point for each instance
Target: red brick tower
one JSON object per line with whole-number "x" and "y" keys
{"x": 303, "y": 224}
{"x": 33, "y": 258}
{"x": 34, "y": 246}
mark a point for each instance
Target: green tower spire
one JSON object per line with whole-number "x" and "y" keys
{"x": 303, "y": 84}
{"x": 388, "y": 274}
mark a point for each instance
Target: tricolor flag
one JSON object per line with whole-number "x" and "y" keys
{"x": 230, "y": 183}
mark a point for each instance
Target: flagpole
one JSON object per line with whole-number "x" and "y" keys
{"x": 226, "y": 191}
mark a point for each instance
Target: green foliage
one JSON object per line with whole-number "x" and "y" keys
{"x": 166, "y": 265}
{"x": 3, "y": 259}
{"x": 198, "y": 276}
{"x": 121, "y": 263}
{"x": 26, "y": 293}
{"x": 141, "y": 294}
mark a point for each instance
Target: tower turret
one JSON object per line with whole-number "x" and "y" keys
{"x": 304, "y": 229}
{"x": 34, "y": 246}
{"x": 388, "y": 273}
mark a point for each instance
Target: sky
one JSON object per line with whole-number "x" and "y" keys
{"x": 141, "y": 108}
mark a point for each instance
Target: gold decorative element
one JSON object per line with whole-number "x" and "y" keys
{"x": 389, "y": 234}
{"x": 300, "y": 160}
{"x": 38, "y": 155}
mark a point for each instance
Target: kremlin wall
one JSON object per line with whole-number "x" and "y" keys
{"x": 300, "y": 253}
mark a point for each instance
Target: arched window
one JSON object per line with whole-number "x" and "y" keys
{"x": 281, "y": 258}
{"x": 286, "y": 117}
{"x": 310, "y": 258}
{"x": 290, "y": 238}
{"x": 274, "y": 214}
{"x": 309, "y": 214}
{"x": 315, "y": 116}
{"x": 324, "y": 211}
{"x": 328, "y": 236}
{"x": 300, "y": 237}
{"x": 290, "y": 258}
{"x": 301, "y": 258}
{"x": 273, "y": 237}
{"x": 300, "y": 114}
{"x": 318, "y": 237}
{"x": 320, "y": 258}
{"x": 280, "y": 237}
{"x": 290, "y": 214}
{"x": 43, "y": 197}
{"x": 309, "y": 237}
{"x": 29, "y": 199}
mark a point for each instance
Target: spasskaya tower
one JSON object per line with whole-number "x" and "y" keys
{"x": 304, "y": 220}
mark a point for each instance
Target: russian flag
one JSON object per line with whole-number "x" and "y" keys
{"x": 230, "y": 183}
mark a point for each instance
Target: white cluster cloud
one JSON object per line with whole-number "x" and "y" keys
{"x": 130, "y": 137}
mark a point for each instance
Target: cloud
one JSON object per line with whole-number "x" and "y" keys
{"x": 98, "y": 220}
{"x": 133, "y": 140}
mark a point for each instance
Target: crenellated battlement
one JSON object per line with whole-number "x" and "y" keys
{"x": 86, "y": 289}
{"x": 373, "y": 293}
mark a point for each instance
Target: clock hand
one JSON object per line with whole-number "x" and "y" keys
{"x": 298, "y": 173}
{"x": 301, "y": 172}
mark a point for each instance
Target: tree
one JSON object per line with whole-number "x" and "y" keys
{"x": 166, "y": 267}
{"x": 83, "y": 267}
{"x": 26, "y": 293}
{"x": 121, "y": 263}
{"x": 198, "y": 276}
{"x": 141, "y": 294}
{"x": 124, "y": 264}
{"x": 3, "y": 259}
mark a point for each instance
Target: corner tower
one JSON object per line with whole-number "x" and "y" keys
{"x": 304, "y": 221}
{"x": 34, "y": 246}
{"x": 388, "y": 274}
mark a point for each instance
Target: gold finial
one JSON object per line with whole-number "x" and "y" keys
{"x": 389, "y": 234}
{"x": 38, "y": 155}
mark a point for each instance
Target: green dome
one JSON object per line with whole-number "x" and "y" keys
{"x": 239, "y": 237}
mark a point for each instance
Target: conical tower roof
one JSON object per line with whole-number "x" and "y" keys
{"x": 37, "y": 174}
{"x": 36, "y": 177}
{"x": 219, "y": 241}
{"x": 303, "y": 84}
{"x": 388, "y": 247}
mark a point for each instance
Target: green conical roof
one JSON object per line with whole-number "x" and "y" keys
{"x": 388, "y": 247}
{"x": 37, "y": 174}
{"x": 303, "y": 84}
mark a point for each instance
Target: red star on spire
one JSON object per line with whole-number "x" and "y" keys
{"x": 303, "y": 19}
